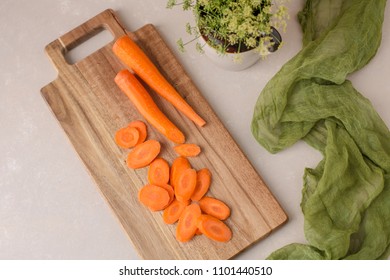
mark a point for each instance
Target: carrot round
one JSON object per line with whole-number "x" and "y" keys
{"x": 170, "y": 191}
{"x": 188, "y": 223}
{"x": 187, "y": 149}
{"x": 154, "y": 197}
{"x": 127, "y": 137}
{"x": 214, "y": 228}
{"x": 186, "y": 184}
{"x": 133, "y": 56}
{"x": 142, "y": 130}
{"x": 203, "y": 181}
{"x": 144, "y": 103}
{"x": 172, "y": 213}
{"x": 178, "y": 166}
{"x": 143, "y": 154}
{"x": 214, "y": 207}
{"x": 158, "y": 172}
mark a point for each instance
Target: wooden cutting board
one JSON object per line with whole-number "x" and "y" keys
{"x": 90, "y": 109}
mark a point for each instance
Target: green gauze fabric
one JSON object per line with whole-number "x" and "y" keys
{"x": 346, "y": 198}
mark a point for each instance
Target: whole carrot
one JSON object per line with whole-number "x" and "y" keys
{"x": 133, "y": 56}
{"x": 144, "y": 103}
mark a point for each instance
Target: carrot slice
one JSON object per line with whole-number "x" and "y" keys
{"x": 127, "y": 137}
{"x": 142, "y": 130}
{"x": 186, "y": 184}
{"x": 214, "y": 207}
{"x": 158, "y": 172}
{"x": 144, "y": 103}
{"x": 143, "y": 154}
{"x": 214, "y": 228}
{"x": 187, "y": 149}
{"x": 154, "y": 197}
{"x": 187, "y": 224}
{"x": 170, "y": 191}
{"x": 172, "y": 213}
{"x": 203, "y": 181}
{"x": 178, "y": 166}
{"x": 133, "y": 56}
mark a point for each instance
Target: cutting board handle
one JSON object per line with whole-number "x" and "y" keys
{"x": 57, "y": 49}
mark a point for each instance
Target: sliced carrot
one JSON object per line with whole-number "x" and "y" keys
{"x": 127, "y": 137}
{"x": 142, "y": 130}
{"x": 203, "y": 181}
{"x": 158, "y": 172}
{"x": 170, "y": 191}
{"x": 187, "y": 224}
{"x": 198, "y": 232}
{"x": 172, "y": 213}
{"x": 214, "y": 207}
{"x": 144, "y": 103}
{"x": 178, "y": 166}
{"x": 143, "y": 154}
{"x": 214, "y": 228}
{"x": 187, "y": 150}
{"x": 186, "y": 184}
{"x": 154, "y": 197}
{"x": 133, "y": 56}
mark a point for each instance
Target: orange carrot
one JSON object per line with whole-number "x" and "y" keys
{"x": 214, "y": 228}
{"x": 186, "y": 184}
{"x": 143, "y": 154}
{"x": 178, "y": 166}
{"x": 133, "y": 56}
{"x": 187, "y": 224}
{"x": 203, "y": 181}
{"x": 187, "y": 150}
{"x": 144, "y": 103}
{"x": 170, "y": 191}
{"x": 141, "y": 127}
{"x": 172, "y": 213}
{"x": 127, "y": 137}
{"x": 154, "y": 197}
{"x": 214, "y": 207}
{"x": 158, "y": 172}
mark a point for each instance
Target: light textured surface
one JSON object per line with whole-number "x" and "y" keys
{"x": 49, "y": 206}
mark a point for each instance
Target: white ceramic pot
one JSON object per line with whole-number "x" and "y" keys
{"x": 230, "y": 61}
{"x": 233, "y": 61}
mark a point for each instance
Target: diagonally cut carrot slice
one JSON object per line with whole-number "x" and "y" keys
{"x": 186, "y": 184}
{"x": 203, "y": 181}
{"x": 143, "y": 154}
{"x": 214, "y": 228}
{"x": 187, "y": 225}
{"x": 142, "y": 130}
{"x": 154, "y": 197}
{"x": 214, "y": 207}
{"x": 158, "y": 172}
{"x": 127, "y": 137}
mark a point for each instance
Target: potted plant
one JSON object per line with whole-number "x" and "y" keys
{"x": 242, "y": 30}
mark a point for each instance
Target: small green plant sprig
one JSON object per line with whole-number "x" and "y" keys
{"x": 245, "y": 24}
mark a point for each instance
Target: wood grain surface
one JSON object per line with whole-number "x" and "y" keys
{"x": 90, "y": 108}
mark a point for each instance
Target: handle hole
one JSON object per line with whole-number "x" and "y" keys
{"x": 88, "y": 45}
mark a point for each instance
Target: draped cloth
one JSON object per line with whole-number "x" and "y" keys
{"x": 346, "y": 198}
